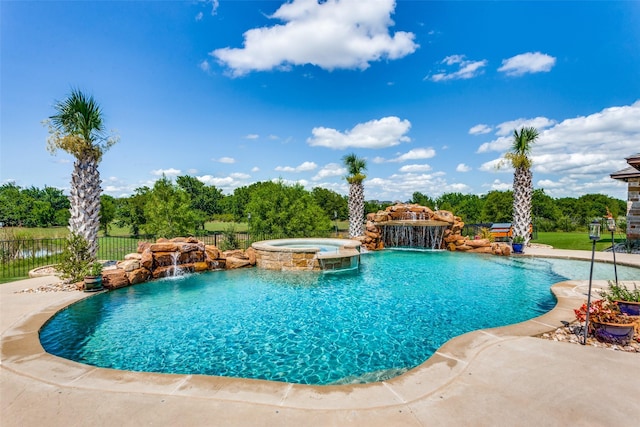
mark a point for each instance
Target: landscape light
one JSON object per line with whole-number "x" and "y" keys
{"x": 594, "y": 236}
{"x": 611, "y": 226}
{"x": 594, "y": 230}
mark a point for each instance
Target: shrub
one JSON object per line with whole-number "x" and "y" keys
{"x": 75, "y": 259}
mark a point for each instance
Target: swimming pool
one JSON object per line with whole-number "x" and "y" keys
{"x": 309, "y": 328}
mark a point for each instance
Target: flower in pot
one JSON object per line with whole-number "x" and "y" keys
{"x": 628, "y": 300}
{"x": 606, "y": 322}
{"x": 93, "y": 277}
{"x": 518, "y": 244}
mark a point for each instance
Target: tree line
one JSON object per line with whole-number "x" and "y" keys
{"x": 183, "y": 206}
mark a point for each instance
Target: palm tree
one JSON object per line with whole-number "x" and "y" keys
{"x": 518, "y": 157}
{"x": 78, "y": 129}
{"x": 355, "y": 166}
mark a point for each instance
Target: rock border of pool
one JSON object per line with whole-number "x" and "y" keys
{"x": 500, "y": 375}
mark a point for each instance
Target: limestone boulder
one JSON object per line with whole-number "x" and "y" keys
{"x": 250, "y": 253}
{"x": 443, "y": 215}
{"x": 129, "y": 265}
{"x": 191, "y": 257}
{"x": 146, "y": 259}
{"x": 479, "y": 243}
{"x": 114, "y": 278}
{"x": 143, "y": 246}
{"x": 212, "y": 252}
{"x": 138, "y": 276}
{"x": 235, "y": 253}
{"x": 188, "y": 247}
{"x": 163, "y": 259}
{"x": 233, "y": 262}
{"x": 200, "y": 266}
{"x": 164, "y": 247}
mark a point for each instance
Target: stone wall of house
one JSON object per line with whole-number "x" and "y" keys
{"x": 633, "y": 209}
{"x": 453, "y": 239}
{"x": 169, "y": 257}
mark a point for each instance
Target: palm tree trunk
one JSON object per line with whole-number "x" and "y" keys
{"x": 356, "y": 209}
{"x": 522, "y": 196}
{"x": 85, "y": 202}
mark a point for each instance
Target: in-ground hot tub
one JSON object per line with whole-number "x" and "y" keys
{"x": 311, "y": 254}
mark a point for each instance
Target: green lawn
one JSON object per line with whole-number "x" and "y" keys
{"x": 560, "y": 240}
{"x": 19, "y": 233}
{"x": 576, "y": 240}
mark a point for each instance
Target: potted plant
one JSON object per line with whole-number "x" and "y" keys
{"x": 518, "y": 244}
{"x": 607, "y": 323}
{"x": 93, "y": 277}
{"x": 628, "y": 300}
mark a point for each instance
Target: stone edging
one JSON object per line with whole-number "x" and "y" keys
{"x": 23, "y": 354}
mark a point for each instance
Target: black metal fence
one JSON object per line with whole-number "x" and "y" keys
{"x": 18, "y": 257}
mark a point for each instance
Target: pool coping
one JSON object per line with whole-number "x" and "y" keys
{"x": 23, "y": 355}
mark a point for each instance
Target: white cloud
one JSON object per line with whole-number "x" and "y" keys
{"x": 480, "y": 129}
{"x": 226, "y": 183}
{"x": 507, "y": 128}
{"x": 581, "y": 148}
{"x": 330, "y": 170}
{"x": 505, "y": 132}
{"x": 227, "y": 160}
{"x": 415, "y": 154}
{"x": 382, "y": 133}
{"x": 214, "y": 8}
{"x": 221, "y": 182}
{"x": 499, "y": 185}
{"x": 463, "y": 168}
{"x": 402, "y": 186}
{"x": 303, "y": 167}
{"x": 205, "y": 66}
{"x": 603, "y": 185}
{"x": 255, "y": 169}
{"x": 252, "y": 136}
{"x": 492, "y": 166}
{"x": 166, "y": 172}
{"x": 415, "y": 168}
{"x": 192, "y": 171}
{"x": 332, "y": 34}
{"x": 239, "y": 175}
{"x": 465, "y": 69}
{"x": 530, "y": 62}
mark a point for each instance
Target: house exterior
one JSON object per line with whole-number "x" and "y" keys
{"x": 631, "y": 176}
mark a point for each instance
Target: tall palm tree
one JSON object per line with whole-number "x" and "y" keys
{"x": 355, "y": 166}
{"x": 77, "y": 128}
{"x": 518, "y": 157}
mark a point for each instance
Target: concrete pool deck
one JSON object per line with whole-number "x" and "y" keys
{"x": 500, "y": 376}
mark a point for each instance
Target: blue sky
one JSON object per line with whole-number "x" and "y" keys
{"x": 234, "y": 92}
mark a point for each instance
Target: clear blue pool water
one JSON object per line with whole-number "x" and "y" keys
{"x": 323, "y": 248}
{"x": 305, "y": 327}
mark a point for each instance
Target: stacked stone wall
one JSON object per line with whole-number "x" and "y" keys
{"x": 453, "y": 239}
{"x": 166, "y": 257}
{"x": 633, "y": 210}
